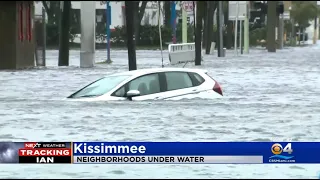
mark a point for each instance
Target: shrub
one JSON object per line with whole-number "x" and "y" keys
{"x": 149, "y": 35}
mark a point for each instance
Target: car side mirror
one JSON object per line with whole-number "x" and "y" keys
{"x": 132, "y": 93}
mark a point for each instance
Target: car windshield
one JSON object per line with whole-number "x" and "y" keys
{"x": 100, "y": 86}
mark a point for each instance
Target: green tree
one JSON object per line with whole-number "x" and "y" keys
{"x": 139, "y": 9}
{"x": 304, "y": 11}
{"x": 53, "y": 11}
{"x": 167, "y": 13}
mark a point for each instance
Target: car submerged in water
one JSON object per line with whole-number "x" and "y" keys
{"x": 151, "y": 84}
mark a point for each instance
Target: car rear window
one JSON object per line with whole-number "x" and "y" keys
{"x": 196, "y": 79}
{"x": 178, "y": 80}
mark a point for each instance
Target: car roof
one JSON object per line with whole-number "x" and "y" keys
{"x": 156, "y": 70}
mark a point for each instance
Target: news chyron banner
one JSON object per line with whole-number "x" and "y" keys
{"x": 35, "y": 152}
{"x": 196, "y": 152}
{"x": 160, "y": 152}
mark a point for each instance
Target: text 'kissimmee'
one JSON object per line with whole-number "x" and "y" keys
{"x": 108, "y": 149}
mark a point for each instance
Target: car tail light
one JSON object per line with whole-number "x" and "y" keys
{"x": 217, "y": 88}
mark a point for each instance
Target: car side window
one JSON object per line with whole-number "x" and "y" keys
{"x": 196, "y": 78}
{"x": 120, "y": 92}
{"x": 177, "y": 80}
{"x": 147, "y": 84}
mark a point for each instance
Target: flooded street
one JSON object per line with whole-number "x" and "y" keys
{"x": 266, "y": 95}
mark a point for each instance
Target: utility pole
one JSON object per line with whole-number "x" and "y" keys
{"x": 317, "y": 28}
{"x": 184, "y": 24}
{"x": 108, "y": 10}
{"x": 130, "y": 10}
{"x": 246, "y": 30}
{"x": 220, "y": 29}
{"x": 240, "y": 41}
{"x": 271, "y": 26}
{"x": 315, "y": 33}
{"x": 65, "y": 7}
{"x": 199, "y": 16}
{"x": 209, "y": 26}
{"x": 293, "y": 33}
{"x": 88, "y": 30}
{"x": 173, "y": 21}
{"x": 280, "y": 8}
{"x": 236, "y": 30}
{"x": 281, "y": 31}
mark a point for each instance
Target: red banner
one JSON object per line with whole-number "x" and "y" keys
{"x": 21, "y": 21}
{"x": 45, "y": 152}
{"x": 29, "y": 29}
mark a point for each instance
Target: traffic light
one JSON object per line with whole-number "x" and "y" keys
{"x": 258, "y": 11}
{"x": 263, "y": 7}
{"x": 280, "y": 8}
{"x": 259, "y": 6}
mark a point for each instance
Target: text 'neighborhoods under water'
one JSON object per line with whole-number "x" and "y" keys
{"x": 168, "y": 159}
{"x": 139, "y": 159}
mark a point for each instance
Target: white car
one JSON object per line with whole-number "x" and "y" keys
{"x": 151, "y": 84}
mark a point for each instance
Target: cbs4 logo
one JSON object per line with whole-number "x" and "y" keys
{"x": 278, "y": 149}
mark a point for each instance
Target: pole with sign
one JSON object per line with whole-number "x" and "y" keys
{"x": 187, "y": 6}
{"x": 184, "y": 24}
{"x": 237, "y": 12}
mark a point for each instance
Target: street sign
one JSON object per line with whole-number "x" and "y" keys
{"x": 187, "y": 6}
{"x": 237, "y": 9}
{"x": 286, "y": 15}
